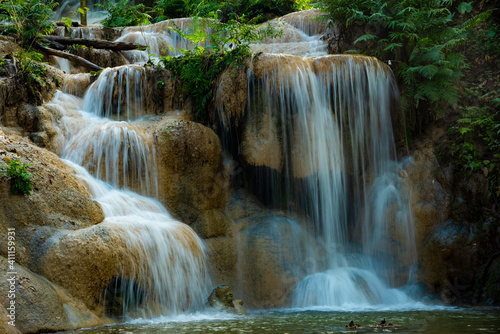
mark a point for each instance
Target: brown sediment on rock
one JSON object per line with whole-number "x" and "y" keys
{"x": 231, "y": 97}
{"x": 40, "y": 305}
{"x": 191, "y": 178}
{"x": 59, "y": 200}
{"x": 77, "y": 84}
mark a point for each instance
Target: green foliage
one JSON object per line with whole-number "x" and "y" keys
{"x": 20, "y": 178}
{"x": 420, "y": 37}
{"x": 226, "y": 45}
{"x": 28, "y": 19}
{"x": 123, "y": 14}
{"x": 488, "y": 38}
{"x": 30, "y": 73}
{"x": 476, "y": 138}
{"x": 226, "y": 10}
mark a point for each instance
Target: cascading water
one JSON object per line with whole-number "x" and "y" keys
{"x": 164, "y": 271}
{"x": 338, "y": 149}
{"x": 333, "y": 118}
{"x": 68, "y": 8}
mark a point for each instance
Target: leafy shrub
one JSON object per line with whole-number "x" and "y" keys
{"x": 123, "y": 14}
{"x": 28, "y": 19}
{"x": 488, "y": 37}
{"x": 30, "y": 73}
{"x": 419, "y": 37}
{"x": 475, "y": 145}
{"x": 197, "y": 69}
{"x": 20, "y": 178}
{"x": 257, "y": 10}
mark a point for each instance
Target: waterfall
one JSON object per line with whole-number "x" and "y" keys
{"x": 117, "y": 93}
{"x": 338, "y": 149}
{"x": 164, "y": 270}
{"x": 68, "y": 8}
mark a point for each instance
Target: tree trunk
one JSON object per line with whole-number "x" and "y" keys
{"x": 83, "y": 14}
{"x": 69, "y": 56}
{"x": 95, "y": 43}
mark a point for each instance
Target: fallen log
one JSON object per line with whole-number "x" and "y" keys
{"x": 74, "y": 24}
{"x": 95, "y": 43}
{"x": 69, "y": 56}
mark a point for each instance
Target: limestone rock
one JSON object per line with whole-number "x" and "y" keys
{"x": 76, "y": 84}
{"x": 261, "y": 145}
{"x": 8, "y": 45}
{"x": 212, "y": 224}
{"x": 41, "y": 306}
{"x": 101, "y": 57}
{"x": 4, "y": 320}
{"x": 222, "y": 255}
{"x": 190, "y": 171}
{"x": 59, "y": 200}
{"x": 231, "y": 98}
{"x": 84, "y": 262}
{"x": 238, "y": 307}
{"x": 221, "y": 298}
{"x": 431, "y": 199}
{"x": 269, "y": 247}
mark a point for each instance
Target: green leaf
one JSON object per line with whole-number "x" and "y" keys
{"x": 366, "y": 37}
{"x": 465, "y": 7}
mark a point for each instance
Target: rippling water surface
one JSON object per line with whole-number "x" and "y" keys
{"x": 318, "y": 321}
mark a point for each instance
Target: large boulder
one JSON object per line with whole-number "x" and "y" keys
{"x": 275, "y": 253}
{"x": 456, "y": 241}
{"x": 191, "y": 177}
{"x": 84, "y": 262}
{"x": 40, "y": 306}
{"x": 59, "y": 200}
{"x": 265, "y": 257}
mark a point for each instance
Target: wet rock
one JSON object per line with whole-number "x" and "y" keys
{"x": 212, "y": 224}
{"x": 353, "y": 325}
{"x": 221, "y": 298}
{"x": 222, "y": 255}
{"x": 231, "y": 99}
{"x": 8, "y": 45}
{"x": 261, "y": 145}
{"x": 268, "y": 249}
{"x": 431, "y": 202}
{"x": 101, "y": 57}
{"x": 40, "y": 305}
{"x": 4, "y": 323}
{"x": 191, "y": 177}
{"x": 76, "y": 84}
{"x": 84, "y": 262}
{"x": 238, "y": 307}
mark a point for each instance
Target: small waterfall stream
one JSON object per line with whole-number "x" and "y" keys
{"x": 339, "y": 168}
{"x": 166, "y": 265}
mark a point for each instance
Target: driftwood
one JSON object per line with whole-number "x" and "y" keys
{"x": 69, "y": 56}
{"x": 95, "y": 43}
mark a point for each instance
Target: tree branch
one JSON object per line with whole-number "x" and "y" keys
{"x": 69, "y": 56}
{"x": 95, "y": 43}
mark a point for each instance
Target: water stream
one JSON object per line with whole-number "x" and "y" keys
{"x": 166, "y": 267}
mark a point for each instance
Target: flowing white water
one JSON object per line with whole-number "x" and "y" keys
{"x": 164, "y": 271}
{"x": 334, "y": 113}
{"x": 117, "y": 93}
